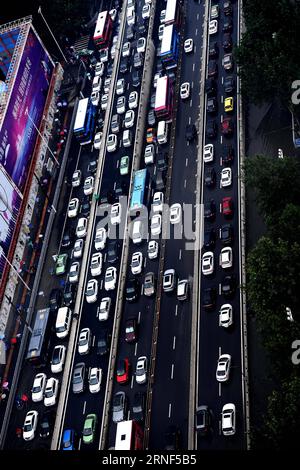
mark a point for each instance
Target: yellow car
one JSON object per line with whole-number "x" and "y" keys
{"x": 228, "y": 104}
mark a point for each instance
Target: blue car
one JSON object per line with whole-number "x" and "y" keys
{"x": 68, "y": 440}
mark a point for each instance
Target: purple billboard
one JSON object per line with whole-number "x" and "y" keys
{"x": 25, "y": 109}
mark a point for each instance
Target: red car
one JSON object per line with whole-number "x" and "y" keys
{"x": 123, "y": 371}
{"x": 131, "y": 330}
{"x": 227, "y": 126}
{"x": 227, "y": 206}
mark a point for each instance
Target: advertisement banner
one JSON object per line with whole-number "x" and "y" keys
{"x": 24, "y": 111}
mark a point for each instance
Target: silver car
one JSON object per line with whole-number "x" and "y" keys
{"x": 78, "y": 378}
{"x": 119, "y": 407}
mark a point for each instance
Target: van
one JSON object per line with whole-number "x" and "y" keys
{"x": 137, "y": 232}
{"x": 97, "y": 80}
{"x": 63, "y": 322}
{"x": 162, "y": 132}
{"x": 127, "y": 138}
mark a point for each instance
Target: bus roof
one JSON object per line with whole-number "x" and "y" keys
{"x": 170, "y": 11}
{"x": 161, "y": 92}
{"x": 123, "y": 435}
{"x": 138, "y": 188}
{"x": 166, "y": 42}
{"x": 100, "y": 24}
{"x": 37, "y": 336}
{"x": 81, "y": 113}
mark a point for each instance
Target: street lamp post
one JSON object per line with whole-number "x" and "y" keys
{"x": 41, "y": 136}
{"x": 60, "y": 50}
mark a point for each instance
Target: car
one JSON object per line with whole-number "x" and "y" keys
{"x": 136, "y": 262}
{"x": 132, "y": 289}
{"x": 210, "y": 87}
{"x": 88, "y": 185}
{"x": 229, "y": 84}
{"x": 146, "y": 11}
{"x": 110, "y": 278}
{"x": 189, "y": 46}
{"x": 68, "y": 237}
{"x": 89, "y": 428}
{"x": 162, "y": 16}
{"x": 103, "y": 343}
{"x": 226, "y": 177}
{"x": 107, "y": 83}
{"x": 156, "y": 222}
{"x": 113, "y": 13}
{"x": 149, "y": 154}
{"x": 113, "y": 251}
{"x": 172, "y": 438}
{"x": 227, "y": 6}
{"x": 149, "y": 284}
{"x": 121, "y": 103}
{"x": 30, "y": 425}
{"x": 209, "y": 298}
{"x": 124, "y": 165}
{"x": 120, "y": 88}
{"x": 141, "y": 45}
{"x": 226, "y": 257}
{"x": 152, "y": 249}
{"x": 226, "y": 315}
{"x": 212, "y": 69}
{"x": 95, "y": 98}
{"x": 58, "y": 358}
{"x": 38, "y": 387}
{"x": 99, "y": 69}
{"x": 61, "y": 264}
{"x": 169, "y": 280}
{"x": 126, "y": 49}
{"x": 182, "y": 289}
{"x": 203, "y": 420}
{"x": 211, "y": 129}
{"x": 157, "y": 202}
{"x": 55, "y": 300}
{"x": 213, "y": 27}
{"x": 133, "y": 100}
{"x": 209, "y": 238}
{"x": 46, "y": 424}
{"x": 175, "y": 213}
{"x": 104, "y": 309}
{"x": 115, "y": 124}
{"x": 138, "y": 59}
{"x": 228, "y": 61}
{"x": 138, "y": 406}
{"x": 214, "y": 12}
{"x": 96, "y": 264}
{"x": 95, "y": 378}
{"x": 150, "y": 135}
{"x": 212, "y": 105}
{"x": 51, "y": 392}
{"x": 141, "y": 29}
{"x": 208, "y": 153}
{"x": 223, "y": 368}
{"x": 152, "y": 100}
{"x": 129, "y": 32}
{"x": 84, "y": 341}
{"x": 131, "y": 330}
{"x": 100, "y": 238}
{"x": 156, "y": 77}
{"x": 69, "y": 294}
{"x": 227, "y": 25}
{"x": 228, "y": 286}
{"x": 141, "y": 370}
{"x": 162, "y": 160}
{"x": 136, "y": 78}
{"x": 104, "y": 55}
{"x": 209, "y": 210}
{"x": 104, "y": 101}
{"x": 228, "y": 104}
{"x": 227, "y": 127}
{"x": 213, "y": 50}
{"x": 161, "y": 31}
{"x": 91, "y": 292}
{"x": 185, "y": 90}
{"x": 73, "y": 275}
{"x": 227, "y": 154}
{"x": 190, "y": 132}
{"x": 119, "y": 407}
{"x": 228, "y": 419}
{"x": 73, "y": 207}
{"x": 151, "y": 118}
{"x": 81, "y": 228}
{"x": 226, "y": 234}
{"x": 227, "y": 42}
{"x": 115, "y": 213}
{"x": 69, "y": 439}
{"x": 123, "y": 369}
{"x": 76, "y": 178}
{"x": 227, "y": 206}
{"x": 210, "y": 177}
{"x": 207, "y": 263}
{"x": 129, "y": 118}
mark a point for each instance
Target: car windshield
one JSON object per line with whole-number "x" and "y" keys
{"x": 94, "y": 380}
{"x": 88, "y": 430}
{"x": 27, "y": 427}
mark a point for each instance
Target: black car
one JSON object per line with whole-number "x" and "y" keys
{"x": 55, "y": 300}
{"x": 227, "y": 25}
{"x": 121, "y": 189}
{"x": 151, "y": 118}
{"x": 69, "y": 294}
{"x": 142, "y": 29}
{"x": 211, "y": 129}
{"x": 160, "y": 180}
{"x": 68, "y": 238}
{"x": 229, "y": 85}
{"x": 226, "y": 234}
{"x": 85, "y": 207}
{"x": 138, "y": 406}
{"x": 210, "y": 177}
{"x": 108, "y": 197}
{"x": 113, "y": 251}
{"x": 162, "y": 160}
{"x": 103, "y": 343}
{"x": 132, "y": 290}
{"x": 227, "y": 7}
{"x": 203, "y": 420}
{"x": 228, "y": 285}
{"x": 172, "y": 438}
{"x": 210, "y": 87}
{"x": 227, "y": 42}
{"x": 210, "y": 210}
{"x": 109, "y": 69}
{"x": 100, "y": 122}
{"x": 190, "y": 132}
{"x": 212, "y": 105}
{"x": 209, "y": 238}
{"x": 124, "y": 65}
{"x": 209, "y": 298}
{"x": 92, "y": 167}
{"x": 152, "y": 100}
{"x": 212, "y": 69}
{"x": 136, "y": 78}
{"x": 227, "y": 155}
{"x": 213, "y": 50}
{"x": 138, "y": 60}
{"x": 46, "y": 424}
{"x": 129, "y": 33}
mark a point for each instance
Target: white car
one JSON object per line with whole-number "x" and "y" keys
{"x": 78, "y": 248}
{"x": 207, "y": 263}
{"x": 58, "y": 358}
{"x": 146, "y": 11}
{"x": 113, "y": 13}
{"x": 97, "y": 140}
{"x": 121, "y": 105}
{"x": 185, "y": 91}
{"x": 110, "y": 278}
{"x": 129, "y": 118}
{"x": 73, "y": 207}
{"x": 175, "y": 213}
{"x": 188, "y": 46}
{"x": 208, "y": 153}
{"x": 141, "y": 370}
{"x": 96, "y": 264}
{"x": 226, "y": 257}
{"x": 162, "y": 16}
{"x": 112, "y": 143}
{"x": 225, "y": 315}
{"x": 120, "y": 86}
{"x": 133, "y": 100}
{"x": 113, "y": 51}
{"x": 136, "y": 262}
{"x": 156, "y": 77}
{"x": 228, "y": 419}
{"x": 141, "y": 45}
{"x": 99, "y": 69}
{"x": 30, "y": 425}
{"x": 95, "y": 378}
{"x": 104, "y": 308}
{"x": 115, "y": 213}
{"x": 88, "y": 185}
{"x": 76, "y": 178}
{"x": 100, "y": 239}
{"x": 81, "y": 229}
{"x": 213, "y": 27}
{"x": 223, "y": 368}
{"x": 51, "y": 392}
{"x": 115, "y": 39}
{"x": 226, "y": 177}
{"x": 104, "y": 55}
{"x": 91, "y": 292}
{"x": 38, "y": 388}
{"x": 214, "y": 12}
{"x": 157, "y": 202}
{"x": 155, "y": 225}
{"x": 107, "y": 82}
{"x": 95, "y": 98}
{"x": 152, "y": 249}
{"x": 182, "y": 289}
{"x": 104, "y": 100}
{"x": 149, "y": 154}
{"x": 161, "y": 31}
{"x": 74, "y": 272}
{"x": 84, "y": 341}
{"x": 126, "y": 51}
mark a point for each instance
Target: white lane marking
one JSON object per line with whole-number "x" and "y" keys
{"x": 176, "y": 310}
{"x": 185, "y": 183}
{"x": 220, "y": 389}
{"x": 192, "y": 85}
{"x": 132, "y": 379}
{"x": 193, "y": 67}
{"x": 139, "y": 317}
{"x": 196, "y": 32}
{"x": 105, "y": 254}
{"x": 195, "y": 49}
{"x": 197, "y": 16}
{"x": 179, "y": 255}
{"x": 84, "y": 406}
{"x": 128, "y": 84}
{"x": 118, "y": 163}
{"x": 115, "y": 183}
{"x": 191, "y": 103}
{"x": 93, "y": 343}
{"x": 135, "y": 349}
{"x": 172, "y": 372}
{"x": 170, "y": 410}
{"x": 79, "y": 445}
{"x": 190, "y": 120}
{"x": 220, "y": 207}
{"x": 186, "y": 161}
{"x": 101, "y": 284}
{"x": 145, "y": 262}
{"x": 220, "y": 351}
{"x": 174, "y": 343}
{"x": 222, "y": 99}
{"x": 220, "y": 289}
{"x": 220, "y": 427}
{"x": 222, "y": 80}
{"x": 221, "y": 139}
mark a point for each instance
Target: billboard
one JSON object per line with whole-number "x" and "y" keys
{"x": 24, "y": 110}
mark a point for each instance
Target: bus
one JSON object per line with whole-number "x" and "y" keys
{"x": 85, "y": 121}
{"x": 103, "y": 30}
{"x": 40, "y": 338}
{"x": 173, "y": 12}
{"x": 164, "y": 99}
{"x": 129, "y": 436}
{"x": 139, "y": 191}
{"x": 169, "y": 47}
